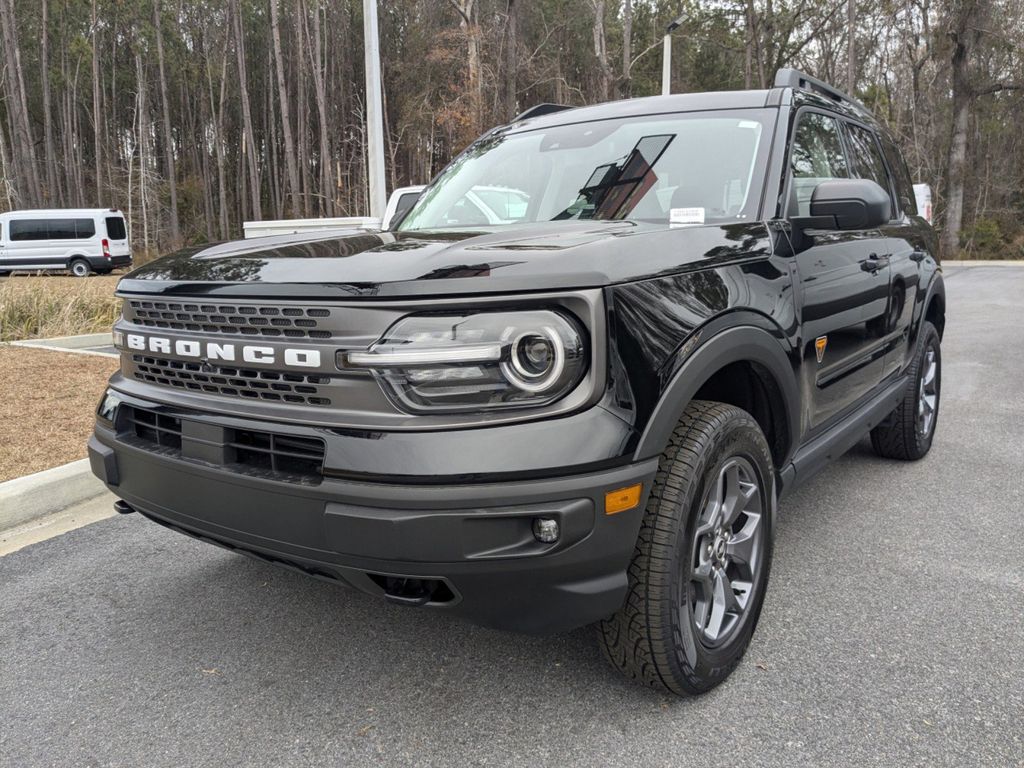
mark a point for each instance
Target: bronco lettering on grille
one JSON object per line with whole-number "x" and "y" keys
{"x": 211, "y": 351}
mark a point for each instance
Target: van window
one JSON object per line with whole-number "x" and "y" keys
{"x": 115, "y": 228}
{"x": 52, "y": 229}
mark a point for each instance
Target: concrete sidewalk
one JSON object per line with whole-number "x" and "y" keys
{"x": 86, "y": 344}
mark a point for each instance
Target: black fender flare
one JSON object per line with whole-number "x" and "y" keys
{"x": 936, "y": 290}
{"x": 735, "y": 344}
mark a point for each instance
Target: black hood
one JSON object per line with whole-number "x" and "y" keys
{"x": 369, "y": 264}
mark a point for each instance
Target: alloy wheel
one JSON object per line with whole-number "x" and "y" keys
{"x": 928, "y": 393}
{"x": 727, "y": 548}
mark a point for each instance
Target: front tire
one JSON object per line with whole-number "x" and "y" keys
{"x": 908, "y": 431}
{"x": 80, "y": 268}
{"x": 700, "y": 568}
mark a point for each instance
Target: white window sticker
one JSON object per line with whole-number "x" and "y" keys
{"x": 686, "y": 216}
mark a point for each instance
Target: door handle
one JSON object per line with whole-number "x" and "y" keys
{"x": 874, "y": 262}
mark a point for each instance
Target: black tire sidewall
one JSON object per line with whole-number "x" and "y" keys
{"x": 75, "y": 263}
{"x": 701, "y": 666}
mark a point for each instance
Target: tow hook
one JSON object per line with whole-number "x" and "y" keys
{"x": 123, "y": 507}
{"x": 407, "y": 591}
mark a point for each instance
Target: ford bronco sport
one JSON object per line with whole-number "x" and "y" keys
{"x": 581, "y": 405}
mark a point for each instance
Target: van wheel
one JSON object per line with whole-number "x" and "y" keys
{"x": 80, "y": 268}
{"x": 700, "y": 567}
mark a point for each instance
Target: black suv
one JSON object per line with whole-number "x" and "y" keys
{"x": 569, "y": 387}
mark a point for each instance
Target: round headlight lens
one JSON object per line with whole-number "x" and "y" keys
{"x": 536, "y": 360}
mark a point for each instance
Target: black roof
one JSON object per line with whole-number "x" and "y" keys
{"x": 791, "y": 86}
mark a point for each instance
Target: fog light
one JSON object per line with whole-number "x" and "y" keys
{"x": 545, "y": 530}
{"x": 107, "y": 410}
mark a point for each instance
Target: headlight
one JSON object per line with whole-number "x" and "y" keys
{"x": 477, "y": 361}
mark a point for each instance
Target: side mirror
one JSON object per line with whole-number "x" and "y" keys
{"x": 849, "y": 204}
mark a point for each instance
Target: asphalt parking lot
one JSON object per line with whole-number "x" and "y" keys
{"x": 892, "y": 635}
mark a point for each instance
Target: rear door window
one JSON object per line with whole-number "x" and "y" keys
{"x": 867, "y": 157}
{"x": 115, "y": 228}
{"x": 900, "y": 176}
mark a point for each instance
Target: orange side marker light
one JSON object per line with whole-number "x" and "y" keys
{"x": 622, "y": 499}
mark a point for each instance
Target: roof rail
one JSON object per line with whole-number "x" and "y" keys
{"x": 794, "y": 78}
{"x": 541, "y": 109}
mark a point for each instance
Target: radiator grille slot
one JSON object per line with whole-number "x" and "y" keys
{"x": 289, "y": 458}
{"x": 280, "y": 454}
{"x": 162, "y": 430}
{"x": 235, "y": 319}
{"x": 235, "y": 382}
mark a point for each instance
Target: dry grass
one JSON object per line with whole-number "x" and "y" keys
{"x": 38, "y": 307}
{"x": 48, "y": 405}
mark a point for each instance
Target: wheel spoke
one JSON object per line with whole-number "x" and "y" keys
{"x": 702, "y": 577}
{"x": 713, "y": 509}
{"x": 743, "y": 545}
{"x": 737, "y": 494}
{"x": 929, "y": 374}
{"x": 724, "y": 603}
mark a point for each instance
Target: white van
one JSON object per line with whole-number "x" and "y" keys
{"x": 80, "y": 240}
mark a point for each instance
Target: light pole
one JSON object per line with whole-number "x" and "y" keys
{"x": 374, "y": 112}
{"x": 666, "y": 56}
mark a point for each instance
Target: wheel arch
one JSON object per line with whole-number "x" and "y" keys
{"x": 935, "y": 305}
{"x": 744, "y": 365}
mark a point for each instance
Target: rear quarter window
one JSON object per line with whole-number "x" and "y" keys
{"x": 116, "y": 228}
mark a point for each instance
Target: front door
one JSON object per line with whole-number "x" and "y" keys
{"x": 842, "y": 288}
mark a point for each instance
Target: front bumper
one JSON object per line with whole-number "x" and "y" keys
{"x": 463, "y": 546}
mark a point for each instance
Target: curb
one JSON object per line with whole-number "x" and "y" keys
{"x": 28, "y": 498}
{"x": 983, "y": 263}
{"x": 84, "y": 344}
{"x": 69, "y": 342}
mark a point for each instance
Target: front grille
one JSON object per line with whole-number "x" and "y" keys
{"x": 234, "y": 319}
{"x": 279, "y": 454}
{"x": 161, "y": 430}
{"x": 290, "y": 458}
{"x": 235, "y": 382}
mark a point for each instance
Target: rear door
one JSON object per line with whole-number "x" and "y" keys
{"x": 117, "y": 235}
{"x": 843, "y": 282}
{"x": 913, "y": 263}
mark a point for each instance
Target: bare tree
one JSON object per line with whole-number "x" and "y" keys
{"x": 286, "y": 124}
{"x": 604, "y": 71}
{"x": 17, "y": 104}
{"x": 248, "y": 138}
{"x": 165, "y": 106}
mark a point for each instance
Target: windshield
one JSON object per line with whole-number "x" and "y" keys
{"x": 688, "y": 168}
